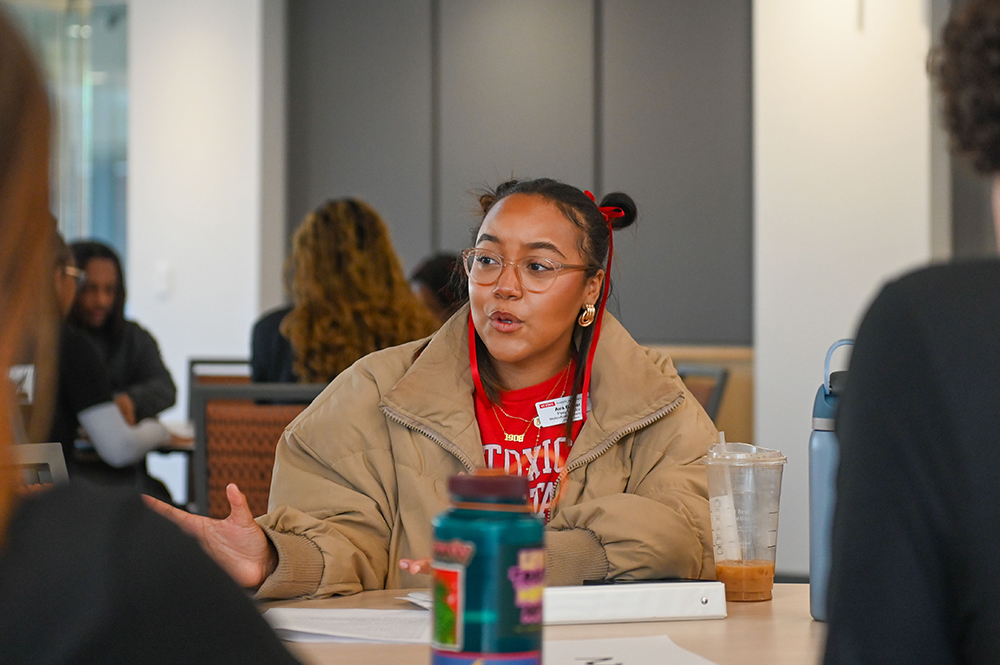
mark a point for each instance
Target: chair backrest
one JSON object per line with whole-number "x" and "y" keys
{"x": 216, "y": 370}
{"x": 706, "y": 383}
{"x": 237, "y": 428}
{"x": 41, "y": 463}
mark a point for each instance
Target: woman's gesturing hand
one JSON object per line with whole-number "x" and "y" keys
{"x": 236, "y": 543}
{"x": 416, "y": 566}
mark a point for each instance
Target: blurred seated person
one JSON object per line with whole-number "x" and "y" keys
{"x": 141, "y": 383}
{"x": 86, "y": 576}
{"x": 350, "y": 298}
{"x": 914, "y": 569}
{"x": 84, "y": 398}
{"x": 439, "y": 281}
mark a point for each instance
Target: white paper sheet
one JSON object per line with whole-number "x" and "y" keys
{"x": 619, "y": 651}
{"x": 298, "y": 624}
{"x": 418, "y": 598}
{"x": 294, "y": 624}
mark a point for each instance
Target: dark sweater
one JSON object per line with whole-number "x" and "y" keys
{"x": 135, "y": 366}
{"x": 82, "y": 383}
{"x": 271, "y": 353}
{"x": 90, "y": 577}
{"x": 916, "y": 535}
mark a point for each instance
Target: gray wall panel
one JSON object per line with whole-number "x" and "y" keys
{"x": 516, "y": 99}
{"x": 677, "y": 137}
{"x": 359, "y": 112}
{"x": 514, "y": 91}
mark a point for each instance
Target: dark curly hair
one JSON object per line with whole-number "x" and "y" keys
{"x": 966, "y": 66}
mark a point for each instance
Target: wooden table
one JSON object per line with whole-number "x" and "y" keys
{"x": 773, "y": 633}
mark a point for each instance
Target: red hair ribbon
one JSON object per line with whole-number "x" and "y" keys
{"x": 608, "y": 212}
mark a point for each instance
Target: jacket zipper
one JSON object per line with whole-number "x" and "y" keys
{"x": 413, "y": 425}
{"x": 610, "y": 441}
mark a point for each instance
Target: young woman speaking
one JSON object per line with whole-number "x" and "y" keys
{"x": 532, "y": 377}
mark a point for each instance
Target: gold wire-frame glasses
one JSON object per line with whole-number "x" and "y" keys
{"x": 534, "y": 273}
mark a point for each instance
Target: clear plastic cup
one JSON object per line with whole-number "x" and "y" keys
{"x": 744, "y": 489}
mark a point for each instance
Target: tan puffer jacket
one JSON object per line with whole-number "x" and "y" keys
{"x": 361, "y": 472}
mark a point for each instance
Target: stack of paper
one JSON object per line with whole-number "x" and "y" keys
{"x": 299, "y": 624}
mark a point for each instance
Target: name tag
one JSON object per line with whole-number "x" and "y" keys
{"x": 553, "y": 411}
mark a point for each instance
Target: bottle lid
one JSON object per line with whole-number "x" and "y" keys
{"x": 489, "y": 485}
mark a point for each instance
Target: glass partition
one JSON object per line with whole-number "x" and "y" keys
{"x": 82, "y": 47}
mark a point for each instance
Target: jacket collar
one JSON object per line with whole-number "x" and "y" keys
{"x": 437, "y": 391}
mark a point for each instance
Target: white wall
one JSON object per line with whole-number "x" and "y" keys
{"x": 206, "y": 174}
{"x": 846, "y": 193}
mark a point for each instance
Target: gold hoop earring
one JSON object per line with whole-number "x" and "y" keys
{"x": 587, "y": 316}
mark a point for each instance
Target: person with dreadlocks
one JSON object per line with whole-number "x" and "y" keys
{"x": 141, "y": 381}
{"x": 350, "y": 298}
{"x": 532, "y": 377}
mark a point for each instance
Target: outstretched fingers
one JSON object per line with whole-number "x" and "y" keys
{"x": 193, "y": 524}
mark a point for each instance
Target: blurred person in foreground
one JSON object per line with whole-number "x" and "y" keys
{"x": 916, "y": 536}
{"x": 439, "y": 281}
{"x": 85, "y": 576}
{"x": 350, "y": 298}
{"x": 141, "y": 382}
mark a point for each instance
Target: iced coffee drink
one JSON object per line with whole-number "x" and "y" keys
{"x": 744, "y": 488}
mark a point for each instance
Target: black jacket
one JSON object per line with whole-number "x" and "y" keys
{"x": 95, "y": 577}
{"x": 916, "y": 537}
{"x": 271, "y": 354}
{"x": 135, "y": 367}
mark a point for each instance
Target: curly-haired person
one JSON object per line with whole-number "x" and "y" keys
{"x": 350, "y": 294}
{"x": 916, "y": 534}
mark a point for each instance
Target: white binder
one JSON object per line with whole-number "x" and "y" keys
{"x": 642, "y": 601}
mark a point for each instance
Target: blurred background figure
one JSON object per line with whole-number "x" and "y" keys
{"x": 115, "y": 456}
{"x": 85, "y": 576}
{"x": 350, "y": 297}
{"x": 141, "y": 382}
{"x": 440, "y": 282}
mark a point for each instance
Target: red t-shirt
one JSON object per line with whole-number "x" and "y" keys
{"x": 541, "y": 452}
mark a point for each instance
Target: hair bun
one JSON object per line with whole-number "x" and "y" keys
{"x": 627, "y": 205}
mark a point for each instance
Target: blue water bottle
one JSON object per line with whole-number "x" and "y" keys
{"x": 824, "y": 455}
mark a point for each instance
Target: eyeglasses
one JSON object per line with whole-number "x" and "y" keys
{"x": 534, "y": 273}
{"x": 77, "y": 274}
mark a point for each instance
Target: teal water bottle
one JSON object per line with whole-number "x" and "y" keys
{"x": 824, "y": 458}
{"x": 489, "y": 574}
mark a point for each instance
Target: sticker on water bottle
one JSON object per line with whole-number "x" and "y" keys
{"x": 528, "y": 580}
{"x": 450, "y": 561}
